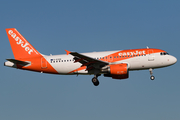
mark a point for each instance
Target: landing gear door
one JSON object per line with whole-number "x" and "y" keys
{"x": 43, "y": 63}
{"x": 150, "y": 55}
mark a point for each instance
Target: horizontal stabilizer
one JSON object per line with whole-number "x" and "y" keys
{"x": 14, "y": 62}
{"x": 18, "y": 62}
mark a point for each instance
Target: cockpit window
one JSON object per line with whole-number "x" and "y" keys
{"x": 164, "y": 53}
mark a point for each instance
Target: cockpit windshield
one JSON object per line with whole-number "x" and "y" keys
{"x": 164, "y": 53}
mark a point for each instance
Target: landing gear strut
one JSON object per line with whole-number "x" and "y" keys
{"x": 151, "y": 72}
{"x": 95, "y": 80}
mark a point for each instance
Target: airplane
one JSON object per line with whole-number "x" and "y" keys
{"x": 115, "y": 64}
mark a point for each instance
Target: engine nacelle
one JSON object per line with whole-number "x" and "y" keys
{"x": 118, "y": 71}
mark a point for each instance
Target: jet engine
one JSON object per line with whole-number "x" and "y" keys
{"x": 118, "y": 71}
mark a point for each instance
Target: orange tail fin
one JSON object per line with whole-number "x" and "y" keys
{"x": 20, "y": 46}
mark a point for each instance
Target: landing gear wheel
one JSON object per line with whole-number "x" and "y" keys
{"x": 151, "y": 73}
{"x": 152, "y": 77}
{"x": 95, "y": 81}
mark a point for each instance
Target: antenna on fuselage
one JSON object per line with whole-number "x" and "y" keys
{"x": 147, "y": 47}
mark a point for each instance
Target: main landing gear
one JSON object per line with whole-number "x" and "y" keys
{"x": 95, "y": 80}
{"x": 151, "y": 72}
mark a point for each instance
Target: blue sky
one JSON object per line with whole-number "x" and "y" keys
{"x": 52, "y": 26}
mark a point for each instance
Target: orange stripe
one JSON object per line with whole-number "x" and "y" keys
{"x": 126, "y": 54}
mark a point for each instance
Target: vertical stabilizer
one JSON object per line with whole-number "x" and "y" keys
{"x": 20, "y": 46}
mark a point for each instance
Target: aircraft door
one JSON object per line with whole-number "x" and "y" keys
{"x": 150, "y": 55}
{"x": 43, "y": 63}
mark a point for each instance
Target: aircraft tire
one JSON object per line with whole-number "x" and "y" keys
{"x": 95, "y": 81}
{"x": 152, "y": 77}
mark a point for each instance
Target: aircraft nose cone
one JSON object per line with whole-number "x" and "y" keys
{"x": 173, "y": 60}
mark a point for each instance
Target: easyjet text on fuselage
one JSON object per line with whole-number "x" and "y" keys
{"x": 137, "y": 52}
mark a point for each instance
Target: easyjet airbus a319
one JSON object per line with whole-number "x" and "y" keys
{"x": 115, "y": 64}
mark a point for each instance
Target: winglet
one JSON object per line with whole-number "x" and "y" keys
{"x": 67, "y": 52}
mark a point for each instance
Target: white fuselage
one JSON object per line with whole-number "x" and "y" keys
{"x": 64, "y": 64}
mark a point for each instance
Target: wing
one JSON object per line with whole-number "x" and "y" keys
{"x": 87, "y": 61}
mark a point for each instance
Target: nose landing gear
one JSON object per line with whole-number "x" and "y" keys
{"x": 151, "y": 72}
{"x": 152, "y": 77}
